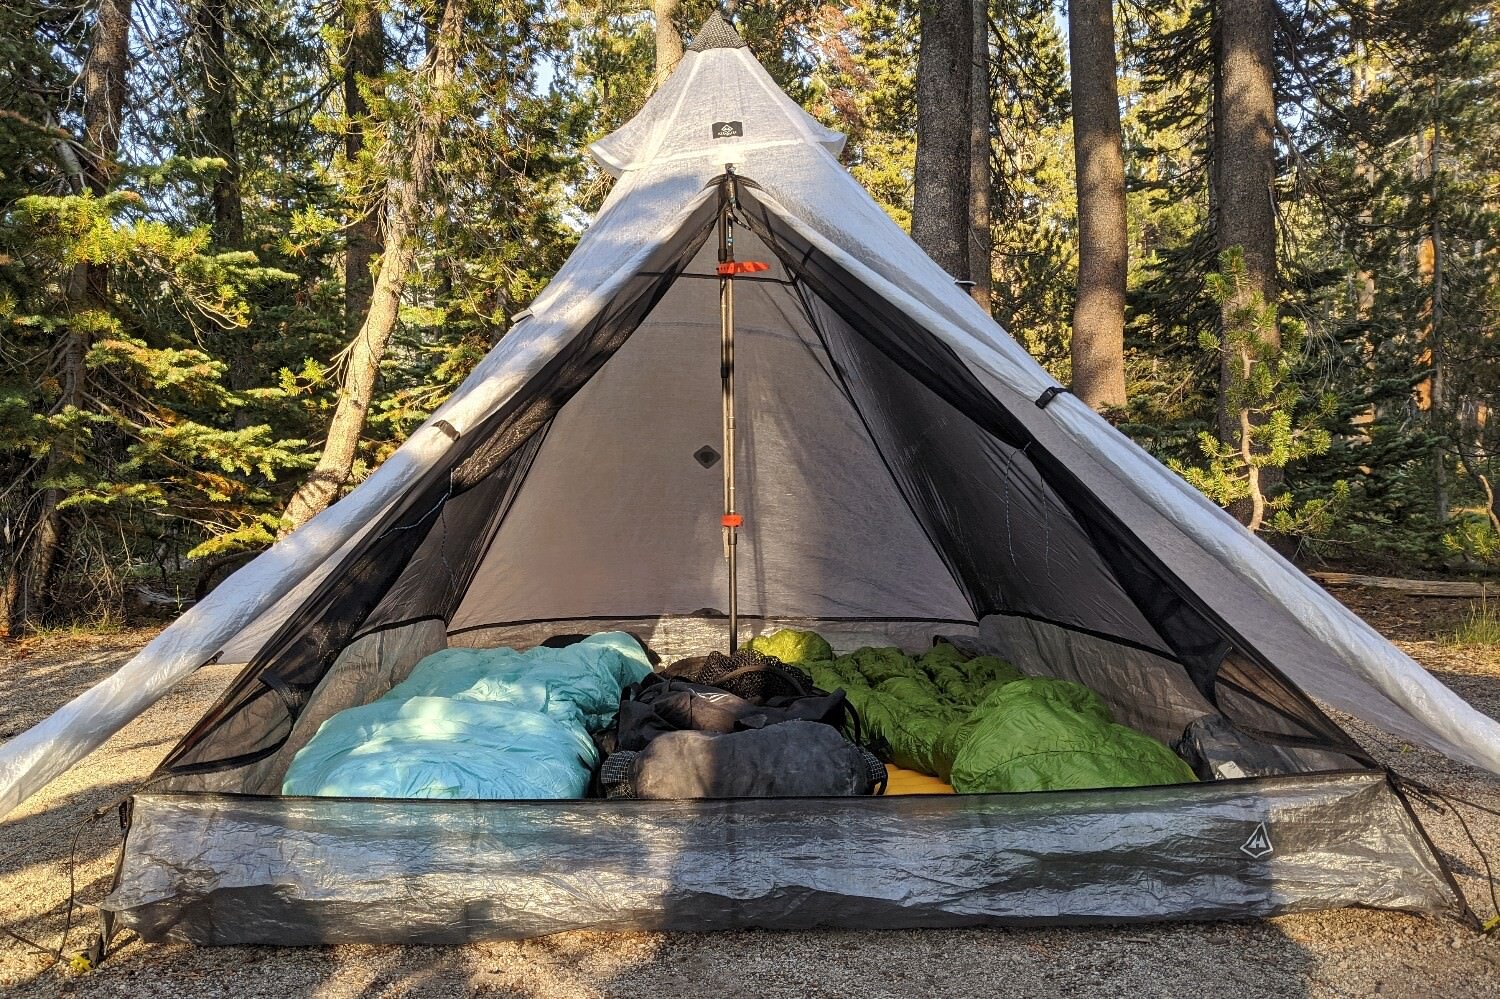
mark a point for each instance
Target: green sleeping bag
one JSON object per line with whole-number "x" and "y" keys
{"x": 1047, "y": 735}
{"x": 978, "y": 723}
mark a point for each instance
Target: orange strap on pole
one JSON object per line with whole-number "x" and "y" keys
{"x": 730, "y": 267}
{"x": 732, "y": 520}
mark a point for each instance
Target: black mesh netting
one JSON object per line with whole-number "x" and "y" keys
{"x": 746, "y": 673}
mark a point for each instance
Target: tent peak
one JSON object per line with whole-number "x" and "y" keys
{"x": 716, "y": 33}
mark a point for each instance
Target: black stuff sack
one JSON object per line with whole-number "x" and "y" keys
{"x": 788, "y": 759}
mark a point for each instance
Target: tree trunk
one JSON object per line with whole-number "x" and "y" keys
{"x": 404, "y": 196}
{"x": 940, "y": 210}
{"x": 1364, "y": 169}
{"x": 1362, "y": 78}
{"x": 1431, "y": 396}
{"x": 981, "y": 241}
{"x": 210, "y": 18}
{"x": 104, "y": 92}
{"x": 103, "y": 82}
{"x": 668, "y": 41}
{"x": 364, "y": 62}
{"x": 1099, "y": 316}
{"x": 1244, "y": 170}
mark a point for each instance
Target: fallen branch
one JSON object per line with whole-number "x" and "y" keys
{"x": 1411, "y": 587}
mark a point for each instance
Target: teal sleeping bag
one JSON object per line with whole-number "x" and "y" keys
{"x": 581, "y": 681}
{"x": 438, "y": 747}
{"x": 477, "y": 723}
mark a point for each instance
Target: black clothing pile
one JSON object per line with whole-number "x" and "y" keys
{"x": 738, "y": 726}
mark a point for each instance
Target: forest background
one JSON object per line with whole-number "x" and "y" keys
{"x": 246, "y": 246}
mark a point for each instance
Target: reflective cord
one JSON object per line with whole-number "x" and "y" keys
{"x": 1010, "y": 543}
{"x": 436, "y": 507}
{"x": 56, "y": 953}
{"x": 1435, "y": 799}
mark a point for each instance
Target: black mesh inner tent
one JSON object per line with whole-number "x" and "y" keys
{"x": 884, "y": 481}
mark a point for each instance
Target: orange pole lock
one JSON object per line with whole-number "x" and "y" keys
{"x": 730, "y": 267}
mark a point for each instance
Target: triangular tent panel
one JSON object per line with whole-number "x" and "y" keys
{"x": 905, "y": 470}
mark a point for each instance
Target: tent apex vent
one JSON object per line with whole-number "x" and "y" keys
{"x": 716, "y": 33}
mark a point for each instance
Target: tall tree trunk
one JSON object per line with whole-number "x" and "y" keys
{"x": 103, "y": 81}
{"x": 981, "y": 240}
{"x": 1099, "y": 316}
{"x": 1431, "y": 395}
{"x": 1364, "y": 171}
{"x": 668, "y": 41}
{"x": 1364, "y": 167}
{"x": 210, "y": 20}
{"x": 945, "y": 57}
{"x": 404, "y": 196}
{"x": 364, "y": 62}
{"x": 1244, "y": 170}
{"x": 104, "y": 93}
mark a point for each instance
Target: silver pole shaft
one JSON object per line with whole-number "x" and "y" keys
{"x": 726, "y": 378}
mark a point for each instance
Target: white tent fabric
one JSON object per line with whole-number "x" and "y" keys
{"x": 665, "y": 160}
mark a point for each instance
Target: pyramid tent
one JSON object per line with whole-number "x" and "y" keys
{"x": 903, "y": 469}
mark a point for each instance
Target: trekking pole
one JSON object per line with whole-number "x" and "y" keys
{"x": 731, "y": 520}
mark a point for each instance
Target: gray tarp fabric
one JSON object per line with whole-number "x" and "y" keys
{"x": 216, "y": 869}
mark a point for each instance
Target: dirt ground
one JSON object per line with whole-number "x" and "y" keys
{"x": 1341, "y": 953}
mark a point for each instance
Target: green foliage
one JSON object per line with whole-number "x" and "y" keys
{"x": 1472, "y": 538}
{"x": 1261, "y": 352}
{"x": 1480, "y": 628}
{"x": 153, "y": 435}
{"x": 865, "y": 86}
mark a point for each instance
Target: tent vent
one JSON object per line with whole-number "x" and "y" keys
{"x": 716, "y": 33}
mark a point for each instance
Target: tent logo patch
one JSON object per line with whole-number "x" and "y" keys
{"x": 728, "y": 129}
{"x": 1259, "y": 843}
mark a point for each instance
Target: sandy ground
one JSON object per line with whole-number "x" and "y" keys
{"x": 1342, "y": 953}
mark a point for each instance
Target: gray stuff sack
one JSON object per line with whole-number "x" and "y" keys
{"x": 789, "y": 759}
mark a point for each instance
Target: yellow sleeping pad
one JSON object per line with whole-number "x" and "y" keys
{"x": 900, "y": 781}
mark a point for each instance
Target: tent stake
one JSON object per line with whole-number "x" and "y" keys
{"x": 731, "y": 519}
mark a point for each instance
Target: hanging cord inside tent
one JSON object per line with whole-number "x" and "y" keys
{"x": 1436, "y": 800}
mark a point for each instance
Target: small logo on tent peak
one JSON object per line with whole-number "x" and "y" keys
{"x": 706, "y": 456}
{"x": 727, "y": 129}
{"x": 1259, "y": 843}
